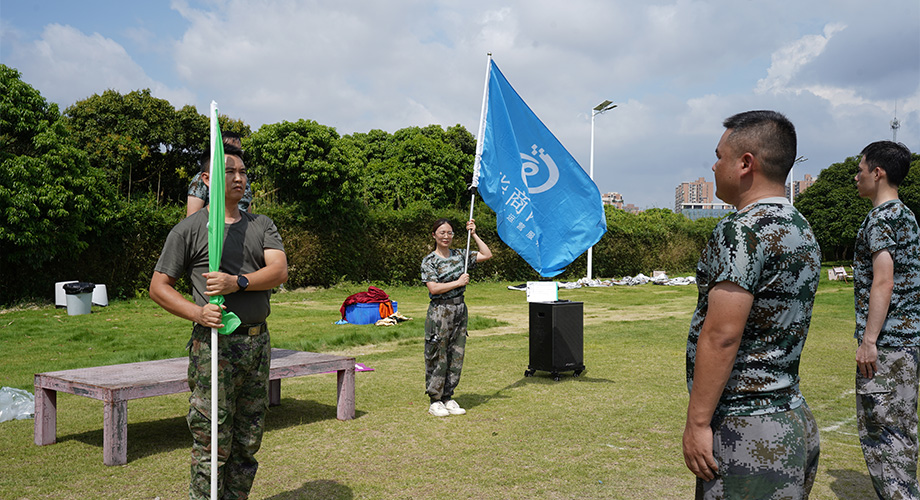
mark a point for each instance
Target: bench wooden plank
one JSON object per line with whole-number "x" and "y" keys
{"x": 116, "y": 384}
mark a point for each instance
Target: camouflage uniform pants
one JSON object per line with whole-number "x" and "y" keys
{"x": 243, "y": 366}
{"x": 771, "y": 456}
{"x": 445, "y": 345}
{"x": 886, "y": 415}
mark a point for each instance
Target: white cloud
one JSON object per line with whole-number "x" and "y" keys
{"x": 787, "y": 61}
{"x": 676, "y": 68}
{"x": 67, "y": 65}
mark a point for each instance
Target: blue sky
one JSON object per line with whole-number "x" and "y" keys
{"x": 676, "y": 69}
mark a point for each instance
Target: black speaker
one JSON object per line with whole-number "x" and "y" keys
{"x": 556, "y": 338}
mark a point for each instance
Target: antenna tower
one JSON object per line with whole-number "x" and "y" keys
{"x": 895, "y": 124}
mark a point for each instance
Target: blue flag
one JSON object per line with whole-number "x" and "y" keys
{"x": 548, "y": 209}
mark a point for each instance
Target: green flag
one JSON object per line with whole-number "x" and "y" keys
{"x": 216, "y": 203}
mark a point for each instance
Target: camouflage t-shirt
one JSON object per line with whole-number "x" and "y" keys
{"x": 768, "y": 249}
{"x": 437, "y": 269}
{"x": 891, "y": 226}
{"x": 199, "y": 189}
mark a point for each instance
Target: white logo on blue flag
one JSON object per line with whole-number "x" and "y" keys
{"x": 531, "y": 167}
{"x": 548, "y": 210}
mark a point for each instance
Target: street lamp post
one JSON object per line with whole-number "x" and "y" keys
{"x": 600, "y": 108}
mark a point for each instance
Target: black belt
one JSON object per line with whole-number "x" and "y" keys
{"x": 455, "y": 300}
{"x": 251, "y": 329}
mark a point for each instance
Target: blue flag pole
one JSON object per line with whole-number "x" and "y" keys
{"x": 476, "y": 162}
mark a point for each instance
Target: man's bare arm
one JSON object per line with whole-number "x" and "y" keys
{"x": 163, "y": 292}
{"x": 879, "y": 301}
{"x": 273, "y": 274}
{"x": 729, "y": 308}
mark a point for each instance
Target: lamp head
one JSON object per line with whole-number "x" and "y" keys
{"x": 607, "y": 105}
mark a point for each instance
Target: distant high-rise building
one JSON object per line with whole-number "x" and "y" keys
{"x": 695, "y": 211}
{"x": 698, "y": 199}
{"x": 795, "y": 188}
{"x": 630, "y": 208}
{"x": 699, "y": 191}
{"x": 615, "y": 199}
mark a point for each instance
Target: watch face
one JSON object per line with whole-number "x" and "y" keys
{"x": 242, "y": 281}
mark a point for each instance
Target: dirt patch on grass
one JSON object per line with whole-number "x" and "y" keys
{"x": 518, "y": 317}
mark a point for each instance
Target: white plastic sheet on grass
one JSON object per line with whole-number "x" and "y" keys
{"x": 16, "y": 404}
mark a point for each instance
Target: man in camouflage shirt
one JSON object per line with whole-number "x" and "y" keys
{"x": 749, "y": 433}
{"x": 886, "y": 277}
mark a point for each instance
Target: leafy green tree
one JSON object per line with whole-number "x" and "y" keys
{"x": 143, "y": 143}
{"x": 302, "y": 163}
{"x": 428, "y": 165}
{"x": 128, "y": 136}
{"x": 50, "y": 195}
{"x": 909, "y": 190}
{"x": 834, "y": 209}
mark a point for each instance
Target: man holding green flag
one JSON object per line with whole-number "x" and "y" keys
{"x": 250, "y": 263}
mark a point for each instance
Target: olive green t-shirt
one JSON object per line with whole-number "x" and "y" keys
{"x": 186, "y": 253}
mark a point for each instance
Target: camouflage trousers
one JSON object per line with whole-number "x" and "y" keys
{"x": 445, "y": 345}
{"x": 243, "y": 366}
{"x": 771, "y": 456}
{"x": 886, "y": 415}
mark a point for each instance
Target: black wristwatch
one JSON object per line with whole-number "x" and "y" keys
{"x": 242, "y": 282}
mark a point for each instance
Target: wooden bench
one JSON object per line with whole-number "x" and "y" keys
{"x": 839, "y": 273}
{"x": 116, "y": 384}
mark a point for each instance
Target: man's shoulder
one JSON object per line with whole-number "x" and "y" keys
{"x": 770, "y": 227}
{"x": 893, "y": 214}
{"x": 896, "y": 209}
{"x": 254, "y": 217}
{"x": 262, "y": 221}
{"x": 774, "y": 214}
{"x": 192, "y": 222}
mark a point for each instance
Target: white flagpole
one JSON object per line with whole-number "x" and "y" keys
{"x": 476, "y": 162}
{"x": 214, "y": 350}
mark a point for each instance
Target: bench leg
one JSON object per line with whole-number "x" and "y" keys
{"x": 345, "y": 406}
{"x": 45, "y": 416}
{"x": 115, "y": 433}
{"x": 274, "y": 392}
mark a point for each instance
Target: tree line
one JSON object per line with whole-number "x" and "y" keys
{"x": 91, "y": 192}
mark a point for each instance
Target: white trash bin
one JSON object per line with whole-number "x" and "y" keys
{"x": 79, "y": 297}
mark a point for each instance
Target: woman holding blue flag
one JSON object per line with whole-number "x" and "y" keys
{"x": 443, "y": 272}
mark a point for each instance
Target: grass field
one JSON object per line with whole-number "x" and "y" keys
{"x": 614, "y": 432}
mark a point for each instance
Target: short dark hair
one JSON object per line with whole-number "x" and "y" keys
{"x": 440, "y": 222}
{"x": 229, "y": 149}
{"x": 769, "y": 136}
{"x": 892, "y": 157}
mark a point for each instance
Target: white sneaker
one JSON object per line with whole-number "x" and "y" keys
{"x": 453, "y": 408}
{"x": 437, "y": 409}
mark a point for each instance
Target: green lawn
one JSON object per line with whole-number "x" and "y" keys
{"x": 614, "y": 432}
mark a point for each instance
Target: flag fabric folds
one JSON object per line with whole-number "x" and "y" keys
{"x": 216, "y": 204}
{"x": 548, "y": 209}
